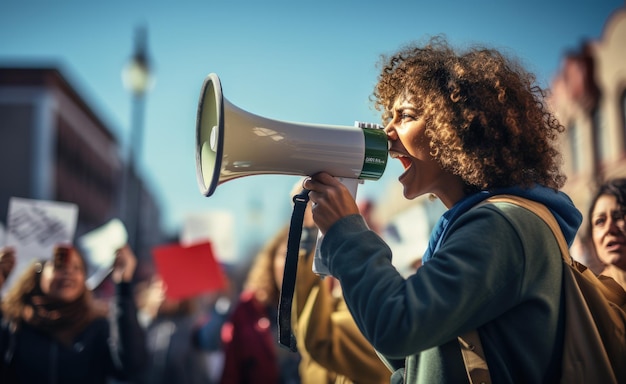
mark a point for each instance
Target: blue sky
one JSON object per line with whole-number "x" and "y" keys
{"x": 298, "y": 61}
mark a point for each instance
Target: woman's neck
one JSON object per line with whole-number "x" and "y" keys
{"x": 451, "y": 190}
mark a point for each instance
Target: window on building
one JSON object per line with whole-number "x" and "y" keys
{"x": 82, "y": 177}
{"x": 601, "y": 129}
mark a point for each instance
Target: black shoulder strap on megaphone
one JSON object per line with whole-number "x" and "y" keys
{"x": 286, "y": 337}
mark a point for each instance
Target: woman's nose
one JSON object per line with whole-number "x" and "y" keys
{"x": 616, "y": 223}
{"x": 390, "y": 131}
{"x": 613, "y": 226}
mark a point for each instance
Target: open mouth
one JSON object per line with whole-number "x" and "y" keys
{"x": 404, "y": 160}
{"x": 66, "y": 283}
{"x": 614, "y": 245}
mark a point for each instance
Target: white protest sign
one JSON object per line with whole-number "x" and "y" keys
{"x": 218, "y": 227}
{"x": 34, "y": 228}
{"x": 98, "y": 248}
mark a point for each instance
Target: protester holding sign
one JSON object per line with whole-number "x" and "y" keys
{"x": 52, "y": 330}
{"x": 34, "y": 227}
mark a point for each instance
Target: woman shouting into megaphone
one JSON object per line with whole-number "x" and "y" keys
{"x": 466, "y": 125}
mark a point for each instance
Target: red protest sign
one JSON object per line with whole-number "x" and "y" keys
{"x": 188, "y": 271}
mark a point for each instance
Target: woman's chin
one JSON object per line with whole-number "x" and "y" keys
{"x": 66, "y": 296}
{"x": 408, "y": 193}
{"x": 405, "y": 180}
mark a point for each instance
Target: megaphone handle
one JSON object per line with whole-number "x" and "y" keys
{"x": 286, "y": 337}
{"x": 318, "y": 265}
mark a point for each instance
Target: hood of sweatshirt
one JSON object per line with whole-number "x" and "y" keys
{"x": 559, "y": 203}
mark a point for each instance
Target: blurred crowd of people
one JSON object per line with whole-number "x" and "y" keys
{"x": 487, "y": 265}
{"x": 54, "y": 327}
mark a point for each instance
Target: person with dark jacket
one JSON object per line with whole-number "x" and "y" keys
{"x": 249, "y": 335}
{"x": 466, "y": 124}
{"x": 54, "y": 332}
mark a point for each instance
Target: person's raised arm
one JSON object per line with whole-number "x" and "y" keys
{"x": 131, "y": 348}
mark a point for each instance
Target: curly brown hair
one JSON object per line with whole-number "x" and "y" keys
{"x": 486, "y": 119}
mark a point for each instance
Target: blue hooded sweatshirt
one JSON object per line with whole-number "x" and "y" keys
{"x": 503, "y": 285}
{"x": 568, "y": 217}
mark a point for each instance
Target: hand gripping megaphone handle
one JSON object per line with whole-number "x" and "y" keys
{"x": 318, "y": 265}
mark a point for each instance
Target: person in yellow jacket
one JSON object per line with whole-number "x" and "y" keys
{"x": 332, "y": 348}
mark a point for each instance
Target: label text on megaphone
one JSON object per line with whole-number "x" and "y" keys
{"x": 374, "y": 160}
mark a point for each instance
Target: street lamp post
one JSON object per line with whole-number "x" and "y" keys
{"x": 137, "y": 78}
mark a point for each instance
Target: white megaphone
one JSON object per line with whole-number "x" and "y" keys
{"x": 233, "y": 143}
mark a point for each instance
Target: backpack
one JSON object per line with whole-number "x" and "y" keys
{"x": 594, "y": 349}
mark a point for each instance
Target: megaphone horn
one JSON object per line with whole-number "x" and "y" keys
{"x": 232, "y": 143}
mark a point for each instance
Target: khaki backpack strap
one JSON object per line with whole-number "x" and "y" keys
{"x": 544, "y": 213}
{"x": 474, "y": 358}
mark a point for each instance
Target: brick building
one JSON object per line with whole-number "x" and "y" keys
{"x": 53, "y": 146}
{"x": 589, "y": 99}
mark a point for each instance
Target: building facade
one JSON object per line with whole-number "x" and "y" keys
{"x": 589, "y": 99}
{"x": 54, "y": 147}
